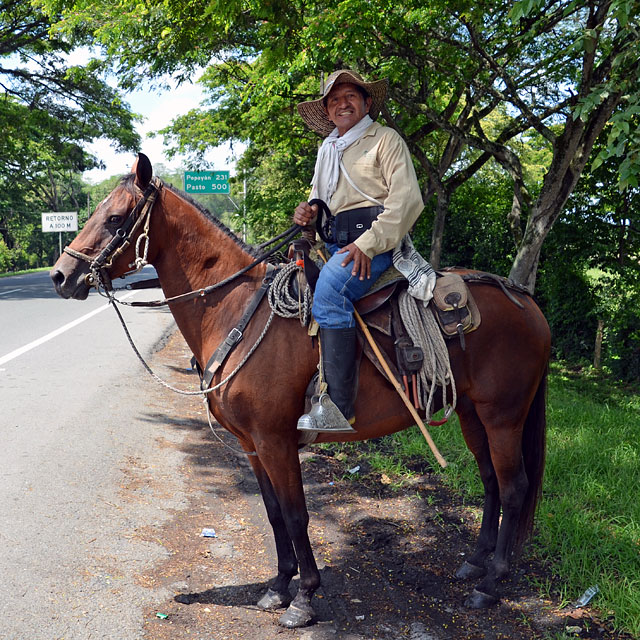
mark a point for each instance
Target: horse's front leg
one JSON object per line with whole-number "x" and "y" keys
{"x": 278, "y": 595}
{"x": 282, "y": 465}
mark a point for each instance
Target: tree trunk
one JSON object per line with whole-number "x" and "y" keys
{"x": 597, "y": 351}
{"x": 515, "y": 218}
{"x": 571, "y": 151}
{"x": 525, "y": 265}
{"x": 442, "y": 208}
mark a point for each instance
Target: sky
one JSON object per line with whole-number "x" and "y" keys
{"x": 158, "y": 108}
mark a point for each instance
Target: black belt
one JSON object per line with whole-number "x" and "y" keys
{"x": 350, "y": 225}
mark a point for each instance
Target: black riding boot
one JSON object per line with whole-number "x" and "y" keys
{"x": 333, "y": 411}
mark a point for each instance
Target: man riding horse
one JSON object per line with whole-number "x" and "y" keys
{"x": 364, "y": 173}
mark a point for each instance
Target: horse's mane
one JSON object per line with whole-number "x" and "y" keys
{"x": 128, "y": 183}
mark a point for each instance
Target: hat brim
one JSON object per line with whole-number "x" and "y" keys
{"x": 315, "y": 116}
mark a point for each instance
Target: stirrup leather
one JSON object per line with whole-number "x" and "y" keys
{"x": 324, "y": 416}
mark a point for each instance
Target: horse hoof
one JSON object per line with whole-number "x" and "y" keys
{"x": 480, "y": 600}
{"x": 470, "y": 571}
{"x": 273, "y": 600}
{"x": 295, "y": 617}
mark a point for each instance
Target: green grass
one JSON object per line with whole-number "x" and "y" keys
{"x": 20, "y": 273}
{"x": 588, "y": 522}
{"x": 589, "y": 518}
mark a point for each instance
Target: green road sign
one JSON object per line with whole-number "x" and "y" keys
{"x": 206, "y": 182}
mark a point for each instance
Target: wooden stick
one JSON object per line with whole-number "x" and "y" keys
{"x": 401, "y": 393}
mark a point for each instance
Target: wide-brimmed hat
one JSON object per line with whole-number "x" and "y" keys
{"x": 314, "y": 114}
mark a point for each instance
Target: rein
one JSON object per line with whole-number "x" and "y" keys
{"x": 199, "y": 293}
{"x": 140, "y": 214}
{"x": 286, "y": 236}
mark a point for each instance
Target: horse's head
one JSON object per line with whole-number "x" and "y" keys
{"x": 105, "y": 248}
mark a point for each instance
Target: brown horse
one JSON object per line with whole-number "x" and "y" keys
{"x": 500, "y": 377}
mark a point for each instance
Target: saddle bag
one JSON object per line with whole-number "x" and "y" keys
{"x": 454, "y": 306}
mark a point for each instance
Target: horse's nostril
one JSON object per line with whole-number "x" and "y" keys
{"x": 58, "y": 277}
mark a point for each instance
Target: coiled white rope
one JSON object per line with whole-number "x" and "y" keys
{"x": 436, "y": 367}
{"x": 283, "y": 303}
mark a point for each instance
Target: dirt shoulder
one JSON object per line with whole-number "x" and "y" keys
{"x": 387, "y": 558}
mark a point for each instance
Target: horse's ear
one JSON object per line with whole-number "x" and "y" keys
{"x": 143, "y": 170}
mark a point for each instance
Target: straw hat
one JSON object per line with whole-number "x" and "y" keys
{"x": 314, "y": 114}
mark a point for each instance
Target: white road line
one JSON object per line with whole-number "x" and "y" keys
{"x": 4, "y": 293}
{"x": 36, "y": 343}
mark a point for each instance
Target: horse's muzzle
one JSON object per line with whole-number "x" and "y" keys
{"x": 75, "y": 286}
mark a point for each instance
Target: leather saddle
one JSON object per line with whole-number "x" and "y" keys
{"x": 453, "y": 305}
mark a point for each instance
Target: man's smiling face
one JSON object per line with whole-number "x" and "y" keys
{"x": 346, "y": 106}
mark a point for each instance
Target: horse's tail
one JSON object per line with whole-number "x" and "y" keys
{"x": 534, "y": 439}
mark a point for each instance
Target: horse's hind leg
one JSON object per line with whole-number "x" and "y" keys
{"x": 505, "y": 445}
{"x": 278, "y": 595}
{"x": 476, "y": 438}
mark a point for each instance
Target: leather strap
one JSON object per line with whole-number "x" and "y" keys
{"x": 235, "y": 335}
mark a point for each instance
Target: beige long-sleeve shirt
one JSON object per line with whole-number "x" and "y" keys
{"x": 380, "y": 165}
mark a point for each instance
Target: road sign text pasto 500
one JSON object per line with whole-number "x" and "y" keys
{"x": 203, "y": 187}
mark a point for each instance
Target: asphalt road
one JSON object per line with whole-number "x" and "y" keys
{"x": 81, "y": 426}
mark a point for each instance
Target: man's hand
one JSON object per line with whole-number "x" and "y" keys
{"x": 304, "y": 214}
{"x": 361, "y": 262}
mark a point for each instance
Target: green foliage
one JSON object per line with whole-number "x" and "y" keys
{"x": 476, "y": 236}
{"x": 593, "y": 455}
{"x": 568, "y": 301}
{"x": 49, "y": 110}
{"x": 468, "y": 82}
{"x": 500, "y": 106}
{"x": 248, "y": 103}
{"x": 6, "y": 259}
{"x": 590, "y": 272}
{"x": 619, "y": 307}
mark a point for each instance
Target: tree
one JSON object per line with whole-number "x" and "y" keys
{"x": 50, "y": 101}
{"x": 590, "y": 286}
{"x": 49, "y": 110}
{"x": 251, "y": 105}
{"x": 469, "y": 81}
{"x": 559, "y": 69}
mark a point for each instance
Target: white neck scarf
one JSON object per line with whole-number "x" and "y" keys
{"x": 327, "y": 171}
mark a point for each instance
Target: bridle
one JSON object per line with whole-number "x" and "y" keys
{"x": 140, "y": 216}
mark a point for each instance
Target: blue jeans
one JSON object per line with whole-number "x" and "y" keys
{"x": 337, "y": 290}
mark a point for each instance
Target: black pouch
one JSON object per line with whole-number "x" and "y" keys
{"x": 351, "y": 224}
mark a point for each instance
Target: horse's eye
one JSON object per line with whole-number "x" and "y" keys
{"x": 115, "y": 220}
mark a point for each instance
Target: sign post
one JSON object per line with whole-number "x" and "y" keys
{"x": 206, "y": 182}
{"x": 60, "y": 221}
